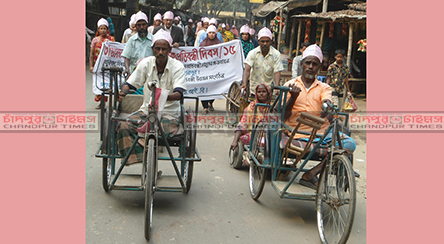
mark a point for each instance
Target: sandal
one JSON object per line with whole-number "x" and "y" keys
{"x": 211, "y": 107}
{"x": 205, "y": 111}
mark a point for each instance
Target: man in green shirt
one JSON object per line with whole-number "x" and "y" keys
{"x": 139, "y": 45}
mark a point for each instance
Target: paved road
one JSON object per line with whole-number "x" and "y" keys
{"x": 218, "y": 209}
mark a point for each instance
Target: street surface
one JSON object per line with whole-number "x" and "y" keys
{"x": 218, "y": 208}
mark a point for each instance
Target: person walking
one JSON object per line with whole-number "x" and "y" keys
{"x": 210, "y": 40}
{"x": 102, "y": 36}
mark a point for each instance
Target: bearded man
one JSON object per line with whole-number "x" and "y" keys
{"x": 139, "y": 45}
{"x": 170, "y": 75}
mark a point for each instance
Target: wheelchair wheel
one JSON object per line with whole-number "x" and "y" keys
{"x": 336, "y": 200}
{"x": 259, "y": 148}
{"x": 105, "y": 125}
{"x": 235, "y": 156}
{"x": 150, "y": 181}
{"x": 234, "y": 93}
{"x": 106, "y": 173}
{"x": 191, "y": 134}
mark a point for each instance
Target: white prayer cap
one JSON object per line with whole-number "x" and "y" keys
{"x": 252, "y": 31}
{"x": 158, "y": 16}
{"x": 141, "y": 16}
{"x": 168, "y": 15}
{"x": 213, "y": 21}
{"x": 190, "y": 20}
{"x": 162, "y": 35}
{"x": 211, "y": 28}
{"x": 205, "y": 20}
{"x": 264, "y": 32}
{"x": 223, "y": 25}
{"x": 102, "y": 21}
{"x": 132, "y": 19}
{"x": 244, "y": 29}
{"x": 313, "y": 50}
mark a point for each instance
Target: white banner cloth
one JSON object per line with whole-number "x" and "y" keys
{"x": 210, "y": 71}
{"x": 110, "y": 55}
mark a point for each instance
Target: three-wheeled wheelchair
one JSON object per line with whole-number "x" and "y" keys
{"x": 271, "y": 149}
{"x": 149, "y": 180}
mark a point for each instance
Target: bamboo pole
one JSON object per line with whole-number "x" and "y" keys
{"x": 321, "y": 41}
{"x": 324, "y": 6}
{"x": 350, "y": 43}
{"x": 349, "y": 51}
{"x": 293, "y": 26}
{"x": 298, "y": 43}
{"x": 280, "y": 30}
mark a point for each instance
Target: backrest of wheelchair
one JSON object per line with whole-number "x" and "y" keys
{"x": 129, "y": 104}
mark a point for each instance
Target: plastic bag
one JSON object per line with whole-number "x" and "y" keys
{"x": 350, "y": 105}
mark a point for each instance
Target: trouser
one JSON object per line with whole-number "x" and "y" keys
{"x": 127, "y": 132}
{"x": 206, "y": 104}
{"x": 338, "y": 100}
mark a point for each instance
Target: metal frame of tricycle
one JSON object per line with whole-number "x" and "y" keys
{"x": 111, "y": 149}
{"x": 275, "y": 134}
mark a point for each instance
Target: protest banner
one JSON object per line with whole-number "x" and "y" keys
{"x": 210, "y": 71}
{"x": 110, "y": 56}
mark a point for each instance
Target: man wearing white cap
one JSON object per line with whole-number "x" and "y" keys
{"x": 139, "y": 45}
{"x": 129, "y": 29}
{"x": 178, "y": 23}
{"x": 252, "y": 39}
{"x": 190, "y": 33}
{"x": 175, "y": 32}
{"x": 266, "y": 62}
{"x": 169, "y": 74}
{"x": 157, "y": 21}
{"x": 307, "y": 94}
{"x": 202, "y": 37}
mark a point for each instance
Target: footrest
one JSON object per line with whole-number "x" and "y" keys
{"x": 295, "y": 190}
{"x": 128, "y": 181}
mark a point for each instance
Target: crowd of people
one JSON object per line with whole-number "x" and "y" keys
{"x": 138, "y": 38}
{"x": 146, "y": 59}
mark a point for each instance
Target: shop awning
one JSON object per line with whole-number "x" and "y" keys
{"x": 274, "y": 6}
{"x": 349, "y": 15}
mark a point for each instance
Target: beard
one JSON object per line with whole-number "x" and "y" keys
{"x": 143, "y": 33}
{"x": 309, "y": 76}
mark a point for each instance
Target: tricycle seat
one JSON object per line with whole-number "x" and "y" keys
{"x": 319, "y": 154}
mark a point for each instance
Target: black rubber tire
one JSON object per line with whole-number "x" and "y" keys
{"x": 336, "y": 200}
{"x": 106, "y": 173}
{"x": 257, "y": 174}
{"x": 150, "y": 180}
{"x": 191, "y": 137}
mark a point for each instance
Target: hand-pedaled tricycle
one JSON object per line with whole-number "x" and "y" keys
{"x": 335, "y": 196}
{"x": 116, "y": 110}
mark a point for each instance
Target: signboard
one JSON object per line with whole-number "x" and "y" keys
{"x": 210, "y": 71}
